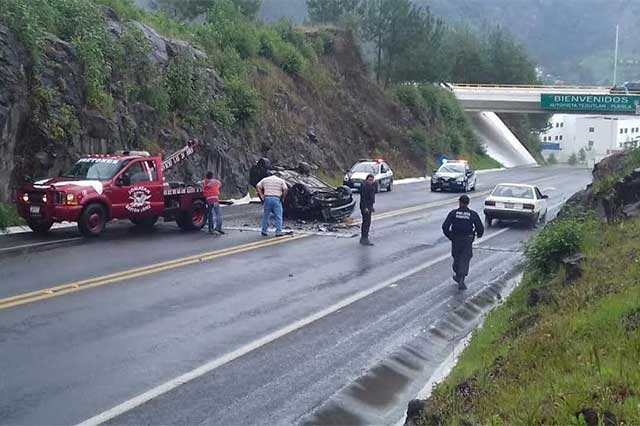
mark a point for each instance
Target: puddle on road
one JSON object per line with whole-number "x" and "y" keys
{"x": 378, "y": 395}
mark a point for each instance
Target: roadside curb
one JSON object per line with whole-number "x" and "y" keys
{"x": 417, "y": 365}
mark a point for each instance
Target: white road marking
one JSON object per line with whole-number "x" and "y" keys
{"x": 257, "y": 344}
{"x": 44, "y": 243}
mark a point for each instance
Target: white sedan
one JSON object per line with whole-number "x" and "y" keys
{"x": 510, "y": 201}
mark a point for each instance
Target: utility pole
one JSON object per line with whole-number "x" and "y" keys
{"x": 615, "y": 58}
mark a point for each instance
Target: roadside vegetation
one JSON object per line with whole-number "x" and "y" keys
{"x": 233, "y": 40}
{"x": 564, "y": 349}
{"x": 406, "y": 44}
{"x": 9, "y": 216}
{"x": 261, "y": 65}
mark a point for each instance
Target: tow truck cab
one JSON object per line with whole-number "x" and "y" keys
{"x": 98, "y": 188}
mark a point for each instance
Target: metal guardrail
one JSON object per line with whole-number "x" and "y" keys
{"x": 612, "y": 90}
{"x": 525, "y": 86}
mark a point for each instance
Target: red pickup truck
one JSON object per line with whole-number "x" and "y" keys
{"x": 126, "y": 185}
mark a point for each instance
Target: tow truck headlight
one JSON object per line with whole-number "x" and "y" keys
{"x": 71, "y": 200}
{"x": 25, "y": 197}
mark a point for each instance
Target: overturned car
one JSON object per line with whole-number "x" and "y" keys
{"x": 308, "y": 197}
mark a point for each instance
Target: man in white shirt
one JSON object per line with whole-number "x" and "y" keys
{"x": 272, "y": 191}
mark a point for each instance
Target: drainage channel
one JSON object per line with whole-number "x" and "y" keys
{"x": 381, "y": 395}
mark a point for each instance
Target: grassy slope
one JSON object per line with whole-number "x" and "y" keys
{"x": 9, "y": 216}
{"x": 544, "y": 364}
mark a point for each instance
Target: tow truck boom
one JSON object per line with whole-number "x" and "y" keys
{"x": 180, "y": 155}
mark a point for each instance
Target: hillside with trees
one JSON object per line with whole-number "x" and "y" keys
{"x": 572, "y": 40}
{"x": 95, "y": 76}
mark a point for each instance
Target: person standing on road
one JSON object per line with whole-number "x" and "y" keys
{"x": 272, "y": 191}
{"x": 211, "y": 190}
{"x": 461, "y": 227}
{"x": 367, "y": 200}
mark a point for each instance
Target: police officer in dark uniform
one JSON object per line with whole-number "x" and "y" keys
{"x": 461, "y": 227}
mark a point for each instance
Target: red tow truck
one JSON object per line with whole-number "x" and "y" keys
{"x": 126, "y": 185}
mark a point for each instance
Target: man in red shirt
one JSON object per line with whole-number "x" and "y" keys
{"x": 212, "y": 195}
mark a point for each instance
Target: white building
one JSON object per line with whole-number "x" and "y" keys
{"x": 598, "y": 135}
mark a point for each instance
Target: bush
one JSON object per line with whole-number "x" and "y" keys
{"x": 9, "y": 216}
{"x": 283, "y": 53}
{"x": 573, "y": 159}
{"x": 419, "y": 142}
{"x": 241, "y": 100}
{"x": 551, "y": 159}
{"x": 292, "y": 61}
{"x": 556, "y": 241}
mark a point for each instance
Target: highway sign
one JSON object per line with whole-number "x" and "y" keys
{"x": 591, "y": 103}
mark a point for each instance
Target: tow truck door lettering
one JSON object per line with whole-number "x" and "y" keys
{"x": 143, "y": 193}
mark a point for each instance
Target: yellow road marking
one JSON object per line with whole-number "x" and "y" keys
{"x": 60, "y": 290}
{"x": 48, "y": 293}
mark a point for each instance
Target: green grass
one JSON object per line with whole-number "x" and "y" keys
{"x": 9, "y": 216}
{"x": 543, "y": 364}
{"x": 483, "y": 162}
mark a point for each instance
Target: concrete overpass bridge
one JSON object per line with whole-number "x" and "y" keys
{"x": 483, "y": 101}
{"x": 545, "y": 99}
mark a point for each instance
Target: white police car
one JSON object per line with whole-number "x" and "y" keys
{"x": 383, "y": 175}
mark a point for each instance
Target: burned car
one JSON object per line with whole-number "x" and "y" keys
{"x": 309, "y": 197}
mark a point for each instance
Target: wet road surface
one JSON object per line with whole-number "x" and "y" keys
{"x": 185, "y": 328}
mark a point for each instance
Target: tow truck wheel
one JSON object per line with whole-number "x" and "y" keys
{"x": 39, "y": 226}
{"x": 145, "y": 222}
{"x": 194, "y": 218}
{"x": 92, "y": 220}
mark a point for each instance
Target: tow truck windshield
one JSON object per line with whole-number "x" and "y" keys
{"x": 95, "y": 169}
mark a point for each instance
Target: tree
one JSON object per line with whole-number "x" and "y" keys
{"x": 551, "y": 159}
{"x": 330, "y": 11}
{"x": 191, "y": 9}
{"x": 573, "y": 159}
{"x": 582, "y": 155}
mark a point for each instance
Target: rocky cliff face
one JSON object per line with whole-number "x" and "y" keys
{"x": 614, "y": 193}
{"x": 45, "y": 123}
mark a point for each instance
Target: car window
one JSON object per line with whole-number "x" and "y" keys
{"x": 539, "y": 194}
{"x": 365, "y": 168}
{"x": 513, "y": 192}
{"x": 137, "y": 174}
{"x": 383, "y": 169}
{"x": 451, "y": 168}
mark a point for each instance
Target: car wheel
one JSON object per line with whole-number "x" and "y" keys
{"x": 194, "y": 218}
{"x": 534, "y": 221}
{"x": 39, "y": 226}
{"x": 377, "y": 189}
{"x": 488, "y": 221}
{"x": 390, "y": 187}
{"x": 92, "y": 220}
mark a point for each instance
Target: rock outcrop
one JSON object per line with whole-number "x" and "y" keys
{"x": 618, "y": 200}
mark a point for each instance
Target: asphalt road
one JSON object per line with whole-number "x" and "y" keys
{"x": 186, "y": 328}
